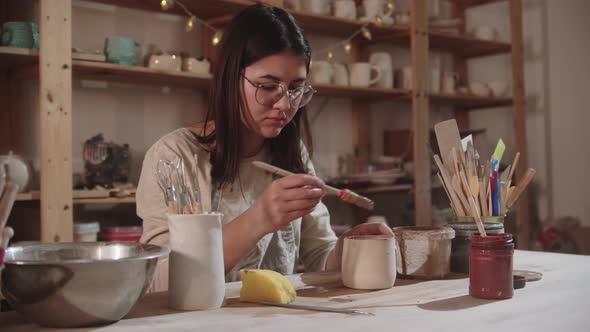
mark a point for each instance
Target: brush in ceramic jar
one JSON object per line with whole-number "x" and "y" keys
{"x": 344, "y": 194}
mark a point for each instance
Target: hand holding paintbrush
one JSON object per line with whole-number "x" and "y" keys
{"x": 344, "y": 194}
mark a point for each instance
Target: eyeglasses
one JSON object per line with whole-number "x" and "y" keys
{"x": 268, "y": 94}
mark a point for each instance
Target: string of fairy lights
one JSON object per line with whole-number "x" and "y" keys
{"x": 345, "y": 44}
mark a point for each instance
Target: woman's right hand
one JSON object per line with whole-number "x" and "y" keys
{"x": 287, "y": 199}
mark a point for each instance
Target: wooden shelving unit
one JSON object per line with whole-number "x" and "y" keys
{"x": 56, "y": 90}
{"x": 385, "y": 189}
{"x": 146, "y": 76}
{"x": 36, "y": 197}
{"x": 461, "y": 45}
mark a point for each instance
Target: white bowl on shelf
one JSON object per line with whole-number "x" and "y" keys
{"x": 499, "y": 89}
{"x": 479, "y": 89}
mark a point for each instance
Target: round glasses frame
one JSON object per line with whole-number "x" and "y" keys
{"x": 292, "y": 94}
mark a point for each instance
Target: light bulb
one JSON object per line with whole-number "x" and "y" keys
{"x": 216, "y": 38}
{"x": 378, "y": 20}
{"x": 190, "y": 24}
{"x": 347, "y": 47}
{"x": 390, "y": 8}
{"x": 166, "y": 4}
{"x": 366, "y": 33}
{"x": 330, "y": 55}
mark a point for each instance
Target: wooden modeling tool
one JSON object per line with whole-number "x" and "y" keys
{"x": 513, "y": 168}
{"x": 475, "y": 213}
{"x": 447, "y": 135}
{"x": 451, "y": 191}
{"x": 344, "y": 194}
{"x": 520, "y": 187}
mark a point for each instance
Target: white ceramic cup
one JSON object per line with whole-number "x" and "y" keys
{"x": 340, "y": 74}
{"x": 345, "y": 9}
{"x": 360, "y": 74}
{"x": 165, "y": 62}
{"x": 435, "y": 80}
{"x": 293, "y": 4}
{"x": 321, "y": 7}
{"x": 369, "y": 262}
{"x": 196, "y": 66}
{"x": 499, "y": 88}
{"x": 321, "y": 72}
{"x": 377, "y": 220}
{"x": 404, "y": 78}
{"x": 383, "y": 61}
{"x": 196, "y": 271}
{"x": 485, "y": 32}
{"x": 373, "y": 8}
{"x": 449, "y": 83}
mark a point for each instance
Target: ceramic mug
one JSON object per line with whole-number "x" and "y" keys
{"x": 16, "y": 170}
{"x": 165, "y": 62}
{"x": 20, "y": 34}
{"x": 340, "y": 74}
{"x": 435, "y": 80}
{"x": 449, "y": 83}
{"x": 196, "y": 66}
{"x": 485, "y": 33}
{"x": 321, "y": 72}
{"x": 122, "y": 51}
{"x": 196, "y": 270}
{"x": 345, "y": 9}
{"x": 369, "y": 262}
{"x": 376, "y": 220}
{"x": 404, "y": 78}
{"x": 293, "y": 4}
{"x": 373, "y": 8}
{"x": 321, "y": 7}
{"x": 360, "y": 74}
{"x": 382, "y": 60}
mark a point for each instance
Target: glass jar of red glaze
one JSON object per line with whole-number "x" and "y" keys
{"x": 490, "y": 266}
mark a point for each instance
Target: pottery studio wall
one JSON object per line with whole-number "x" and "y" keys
{"x": 139, "y": 115}
{"x": 556, "y": 74}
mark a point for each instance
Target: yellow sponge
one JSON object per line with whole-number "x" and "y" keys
{"x": 265, "y": 286}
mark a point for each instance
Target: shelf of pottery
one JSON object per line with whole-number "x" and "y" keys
{"x": 376, "y": 79}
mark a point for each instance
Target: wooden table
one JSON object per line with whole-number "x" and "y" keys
{"x": 558, "y": 302}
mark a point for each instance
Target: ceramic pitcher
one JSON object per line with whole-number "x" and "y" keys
{"x": 20, "y": 34}
{"x": 122, "y": 51}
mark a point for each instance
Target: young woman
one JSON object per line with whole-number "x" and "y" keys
{"x": 256, "y": 112}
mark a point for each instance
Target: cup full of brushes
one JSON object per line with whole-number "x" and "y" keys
{"x": 478, "y": 190}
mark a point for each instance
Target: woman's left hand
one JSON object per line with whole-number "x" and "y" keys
{"x": 335, "y": 257}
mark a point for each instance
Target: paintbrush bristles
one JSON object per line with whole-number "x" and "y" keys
{"x": 356, "y": 199}
{"x": 344, "y": 194}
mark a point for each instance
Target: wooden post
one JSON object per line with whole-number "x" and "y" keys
{"x": 460, "y": 63}
{"x": 361, "y": 115}
{"x": 420, "y": 112}
{"x": 55, "y": 108}
{"x": 519, "y": 119}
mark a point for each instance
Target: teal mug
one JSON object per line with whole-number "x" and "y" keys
{"x": 122, "y": 51}
{"x": 20, "y": 34}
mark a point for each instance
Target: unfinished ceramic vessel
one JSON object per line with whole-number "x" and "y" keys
{"x": 423, "y": 252}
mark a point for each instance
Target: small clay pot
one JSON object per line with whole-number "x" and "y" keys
{"x": 423, "y": 252}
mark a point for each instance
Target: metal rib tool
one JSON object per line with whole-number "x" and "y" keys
{"x": 318, "y": 308}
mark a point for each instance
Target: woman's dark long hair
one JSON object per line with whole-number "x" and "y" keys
{"x": 255, "y": 33}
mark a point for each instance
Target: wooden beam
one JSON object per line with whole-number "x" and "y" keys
{"x": 460, "y": 63}
{"x": 420, "y": 111}
{"x": 55, "y": 108}
{"x": 361, "y": 115}
{"x": 519, "y": 119}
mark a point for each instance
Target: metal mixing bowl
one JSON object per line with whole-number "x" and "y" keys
{"x": 78, "y": 284}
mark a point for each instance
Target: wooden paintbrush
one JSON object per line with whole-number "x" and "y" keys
{"x": 344, "y": 194}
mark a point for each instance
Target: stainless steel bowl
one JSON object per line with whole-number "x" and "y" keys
{"x": 78, "y": 284}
